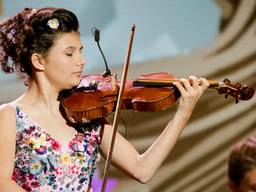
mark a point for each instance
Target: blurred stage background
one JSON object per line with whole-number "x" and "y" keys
{"x": 207, "y": 38}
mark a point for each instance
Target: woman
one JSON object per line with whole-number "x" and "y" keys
{"x": 242, "y": 166}
{"x": 39, "y": 149}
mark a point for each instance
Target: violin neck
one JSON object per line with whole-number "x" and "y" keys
{"x": 166, "y": 83}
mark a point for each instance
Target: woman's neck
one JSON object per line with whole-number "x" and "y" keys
{"x": 41, "y": 97}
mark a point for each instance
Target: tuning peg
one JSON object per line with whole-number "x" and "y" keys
{"x": 227, "y": 93}
{"x": 238, "y": 98}
{"x": 226, "y": 81}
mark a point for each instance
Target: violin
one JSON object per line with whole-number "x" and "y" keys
{"x": 96, "y": 97}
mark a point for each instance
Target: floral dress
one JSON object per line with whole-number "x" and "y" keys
{"x": 43, "y": 164}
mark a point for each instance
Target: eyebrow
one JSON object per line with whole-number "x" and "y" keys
{"x": 73, "y": 47}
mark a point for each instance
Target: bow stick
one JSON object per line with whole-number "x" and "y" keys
{"x": 117, "y": 111}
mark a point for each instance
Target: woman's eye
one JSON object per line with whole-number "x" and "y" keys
{"x": 69, "y": 54}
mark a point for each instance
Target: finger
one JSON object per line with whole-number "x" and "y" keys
{"x": 195, "y": 82}
{"x": 180, "y": 87}
{"x": 187, "y": 85}
{"x": 204, "y": 83}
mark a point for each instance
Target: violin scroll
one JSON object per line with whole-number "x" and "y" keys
{"x": 236, "y": 90}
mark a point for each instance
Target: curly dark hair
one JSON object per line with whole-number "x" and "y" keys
{"x": 29, "y": 32}
{"x": 241, "y": 160}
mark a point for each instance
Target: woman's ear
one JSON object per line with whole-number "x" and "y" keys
{"x": 38, "y": 62}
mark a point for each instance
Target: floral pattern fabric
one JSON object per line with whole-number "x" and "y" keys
{"x": 43, "y": 164}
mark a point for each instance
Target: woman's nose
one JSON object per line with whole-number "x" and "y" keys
{"x": 81, "y": 61}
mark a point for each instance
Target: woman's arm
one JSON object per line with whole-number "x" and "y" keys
{"x": 7, "y": 148}
{"x": 143, "y": 166}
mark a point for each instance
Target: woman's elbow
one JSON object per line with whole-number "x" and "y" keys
{"x": 143, "y": 177}
{"x": 144, "y": 180}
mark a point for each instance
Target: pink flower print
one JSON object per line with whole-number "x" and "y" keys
{"x": 87, "y": 135}
{"x": 73, "y": 145}
{"x": 91, "y": 140}
{"x": 95, "y": 134}
{"x": 74, "y": 169}
{"x": 90, "y": 149}
{"x": 29, "y": 176}
{"x": 58, "y": 170}
{"x": 55, "y": 145}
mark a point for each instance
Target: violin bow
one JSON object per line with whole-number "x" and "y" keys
{"x": 118, "y": 110}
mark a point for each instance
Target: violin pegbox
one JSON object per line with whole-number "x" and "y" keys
{"x": 236, "y": 90}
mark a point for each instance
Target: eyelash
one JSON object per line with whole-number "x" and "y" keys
{"x": 71, "y": 54}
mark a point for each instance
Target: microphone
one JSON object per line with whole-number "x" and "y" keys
{"x": 96, "y": 34}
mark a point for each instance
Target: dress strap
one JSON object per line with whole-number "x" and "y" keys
{"x": 19, "y": 115}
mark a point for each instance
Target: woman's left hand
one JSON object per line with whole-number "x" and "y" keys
{"x": 191, "y": 89}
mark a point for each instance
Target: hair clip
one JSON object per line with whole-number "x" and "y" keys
{"x": 11, "y": 33}
{"x": 32, "y": 12}
{"x": 2, "y": 52}
{"x": 53, "y": 23}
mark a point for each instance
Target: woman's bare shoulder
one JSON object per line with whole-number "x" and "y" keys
{"x": 7, "y": 114}
{"x": 6, "y": 108}
{"x": 8, "y": 128}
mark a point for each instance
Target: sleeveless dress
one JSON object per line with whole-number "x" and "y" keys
{"x": 43, "y": 164}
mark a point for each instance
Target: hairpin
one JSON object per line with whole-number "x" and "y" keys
{"x": 11, "y": 35}
{"x": 32, "y": 12}
{"x": 53, "y": 23}
{"x": 2, "y": 53}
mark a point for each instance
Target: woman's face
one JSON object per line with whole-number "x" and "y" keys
{"x": 248, "y": 183}
{"x": 64, "y": 63}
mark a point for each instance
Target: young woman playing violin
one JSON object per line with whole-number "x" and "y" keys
{"x": 40, "y": 150}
